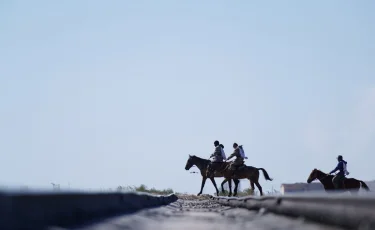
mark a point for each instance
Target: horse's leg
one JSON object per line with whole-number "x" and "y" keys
{"x": 222, "y": 185}
{"x": 236, "y": 182}
{"x": 353, "y": 188}
{"x": 230, "y": 187}
{"x": 203, "y": 182}
{"x": 254, "y": 180}
{"x": 214, "y": 183}
{"x": 252, "y": 187}
{"x": 259, "y": 187}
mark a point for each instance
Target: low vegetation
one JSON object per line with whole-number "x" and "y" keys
{"x": 249, "y": 192}
{"x": 143, "y": 188}
{"x": 245, "y": 192}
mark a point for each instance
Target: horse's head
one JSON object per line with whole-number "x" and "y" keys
{"x": 313, "y": 176}
{"x": 190, "y": 162}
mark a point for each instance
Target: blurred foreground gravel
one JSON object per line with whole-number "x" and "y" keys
{"x": 200, "y": 213}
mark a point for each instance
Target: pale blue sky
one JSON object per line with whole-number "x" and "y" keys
{"x": 101, "y": 94}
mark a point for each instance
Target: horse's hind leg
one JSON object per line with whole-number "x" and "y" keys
{"x": 354, "y": 191}
{"x": 222, "y": 185}
{"x": 230, "y": 187}
{"x": 214, "y": 183}
{"x": 259, "y": 187}
{"x": 236, "y": 182}
{"x": 252, "y": 186}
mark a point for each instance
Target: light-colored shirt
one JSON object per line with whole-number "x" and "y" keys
{"x": 242, "y": 153}
{"x": 223, "y": 154}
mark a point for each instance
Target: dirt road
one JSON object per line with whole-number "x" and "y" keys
{"x": 190, "y": 212}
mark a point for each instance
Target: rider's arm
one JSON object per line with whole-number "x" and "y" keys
{"x": 213, "y": 154}
{"x": 234, "y": 154}
{"x": 333, "y": 171}
{"x": 337, "y": 168}
{"x": 231, "y": 155}
{"x": 237, "y": 153}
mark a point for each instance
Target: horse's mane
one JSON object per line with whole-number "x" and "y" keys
{"x": 199, "y": 158}
{"x": 322, "y": 172}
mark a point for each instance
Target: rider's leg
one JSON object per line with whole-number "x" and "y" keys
{"x": 341, "y": 181}
{"x": 233, "y": 167}
{"x": 337, "y": 181}
{"x": 211, "y": 169}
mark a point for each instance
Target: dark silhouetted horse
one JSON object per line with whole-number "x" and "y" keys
{"x": 202, "y": 165}
{"x": 222, "y": 170}
{"x": 246, "y": 172}
{"x": 350, "y": 184}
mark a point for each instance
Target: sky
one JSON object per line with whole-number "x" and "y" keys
{"x": 97, "y": 94}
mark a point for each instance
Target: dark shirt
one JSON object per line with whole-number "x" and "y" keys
{"x": 340, "y": 167}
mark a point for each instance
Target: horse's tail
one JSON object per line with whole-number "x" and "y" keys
{"x": 266, "y": 176}
{"x": 364, "y": 185}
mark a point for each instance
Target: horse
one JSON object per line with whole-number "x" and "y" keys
{"x": 247, "y": 172}
{"x": 202, "y": 165}
{"x": 350, "y": 184}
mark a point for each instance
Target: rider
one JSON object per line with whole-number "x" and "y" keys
{"x": 339, "y": 178}
{"x": 239, "y": 161}
{"x": 216, "y": 156}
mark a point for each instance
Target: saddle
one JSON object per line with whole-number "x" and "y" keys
{"x": 241, "y": 167}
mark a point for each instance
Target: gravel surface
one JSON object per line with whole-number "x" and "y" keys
{"x": 191, "y": 212}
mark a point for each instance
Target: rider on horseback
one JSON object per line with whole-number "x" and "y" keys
{"x": 217, "y": 157}
{"x": 338, "y": 179}
{"x": 240, "y": 156}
